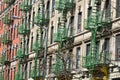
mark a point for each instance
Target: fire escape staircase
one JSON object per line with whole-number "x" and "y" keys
{"x": 94, "y": 62}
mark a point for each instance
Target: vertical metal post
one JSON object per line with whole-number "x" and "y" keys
{"x": 45, "y": 53}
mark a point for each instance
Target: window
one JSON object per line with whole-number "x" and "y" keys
{"x": 53, "y": 9}
{"x": 33, "y": 19}
{"x": 40, "y": 66}
{"x": 0, "y": 39}
{"x": 78, "y": 58}
{"x": 50, "y": 64}
{"x": 79, "y": 22}
{"x": 17, "y": 30}
{"x": 23, "y": 70}
{"x": 87, "y": 49}
{"x": 70, "y": 59}
{"x": 30, "y": 67}
{"x": 14, "y": 71}
{"x": 16, "y": 48}
{"x": 48, "y": 9}
{"x": 11, "y": 74}
{"x": 106, "y": 44}
{"x": 12, "y": 52}
{"x": 89, "y": 2}
{"x": 106, "y": 48}
{"x": 117, "y": 8}
{"x": 98, "y": 45}
{"x": 13, "y": 32}
{"x": 31, "y": 45}
{"x": 52, "y": 35}
{"x": 117, "y": 55}
{"x": 27, "y": 45}
{"x": 16, "y": 11}
{"x": 13, "y": 10}
{"x": 29, "y": 17}
{"x": 19, "y": 12}
{"x": 89, "y": 11}
{"x": 1, "y": 24}
{"x": 107, "y": 9}
{"x": 71, "y": 25}
{"x": 43, "y": 8}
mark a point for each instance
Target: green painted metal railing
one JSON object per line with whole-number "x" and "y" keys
{"x": 64, "y": 4}
{"x": 1, "y": 76}
{"x": 6, "y": 40}
{"x": 6, "y": 20}
{"x": 20, "y": 53}
{"x": 36, "y": 75}
{"x": 92, "y": 21}
{"x": 26, "y": 5}
{"x": 23, "y": 31}
{"x": 42, "y": 19}
{"x": 8, "y": 1}
{"x": 58, "y": 67}
{"x": 101, "y": 58}
{"x": 19, "y": 76}
{"x": 38, "y": 45}
{"x": 62, "y": 35}
{"x": 5, "y": 60}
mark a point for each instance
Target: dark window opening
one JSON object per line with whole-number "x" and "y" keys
{"x": 71, "y": 25}
{"x": 117, "y": 8}
{"x": 30, "y": 68}
{"x": 87, "y": 49}
{"x": 33, "y": 19}
{"x": 53, "y": 8}
{"x": 50, "y": 64}
{"x": 79, "y": 22}
{"x": 52, "y": 35}
{"x": 31, "y": 46}
{"x": 107, "y": 9}
{"x": 89, "y": 11}
{"x": 78, "y": 58}
{"x": 117, "y": 55}
{"x": 70, "y": 59}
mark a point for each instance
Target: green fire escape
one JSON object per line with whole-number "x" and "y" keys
{"x": 4, "y": 61}
{"x": 41, "y": 19}
{"x": 9, "y": 1}
{"x": 24, "y": 31}
{"x": 94, "y": 61}
{"x": 18, "y": 75}
{"x": 64, "y": 5}
{"x": 26, "y": 5}
{"x": 38, "y": 48}
{"x": 6, "y": 39}
{"x": 2, "y": 75}
{"x": 62, "y": 37}
{"x": 2, "y": 71}
{"x": 7, "y": 20}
